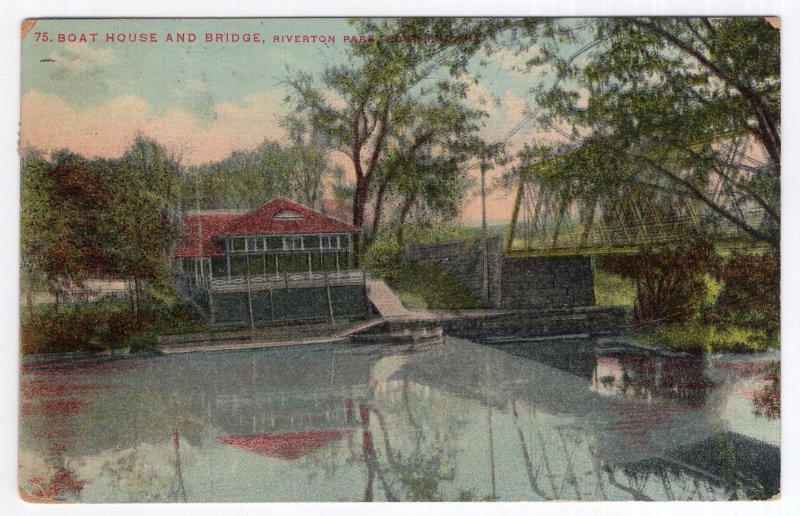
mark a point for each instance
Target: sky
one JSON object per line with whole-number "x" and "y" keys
{"x": 206, "y": 99}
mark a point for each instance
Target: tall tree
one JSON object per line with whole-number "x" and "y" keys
{"x": 688, "y": 105}
{"x": 246, "y": 178}
{"x": 64, "y": 206}
{"x": 141, "y": 222}
{"x": 386, "y": 95}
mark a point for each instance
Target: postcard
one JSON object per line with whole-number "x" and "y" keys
{"x": 401, "y": 259}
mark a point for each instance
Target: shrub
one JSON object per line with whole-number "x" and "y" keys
{"x": 671, "y": 285}
{"x": 384, "y": 258}
{"x": 697, "y": 338}
{"x": 751, "y": 293}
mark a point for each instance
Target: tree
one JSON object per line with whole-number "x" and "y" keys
{"x": 688, "y": 105}
{"x": 246, "y": 178}
{"x": 682, "y": 105}
{"x": 433, "y": 185}
{"x": 387, "y": 95}
{"x": 63, "y": 209}
{"x": 141, "y": 224}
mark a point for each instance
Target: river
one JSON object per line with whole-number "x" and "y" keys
{"x": 504, "y": 419}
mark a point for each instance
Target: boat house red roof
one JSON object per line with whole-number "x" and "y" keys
{"x": 201, "y": 232}
{"x": 284, "y": 217}
{"x": 280, "y": 216}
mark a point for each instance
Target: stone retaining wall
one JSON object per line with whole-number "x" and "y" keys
{"x": 547, "y": 282}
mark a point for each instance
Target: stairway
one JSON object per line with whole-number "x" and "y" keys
{"x": 385, "y": 300}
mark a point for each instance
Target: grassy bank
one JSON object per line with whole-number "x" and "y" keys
{"x": 418, "y": 285}
{"x": 431, "y": 286}
{"x": 701, "y": 335}
{"x": 698, "y": 338}
{"x": 613, "y": 290}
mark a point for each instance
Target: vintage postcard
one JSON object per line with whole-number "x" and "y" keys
{"x": 405, "y": 259}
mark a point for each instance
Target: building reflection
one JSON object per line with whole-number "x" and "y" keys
{"x": 462, "y": 421}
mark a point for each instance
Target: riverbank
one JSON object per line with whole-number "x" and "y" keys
{"x": 473, "y": 323}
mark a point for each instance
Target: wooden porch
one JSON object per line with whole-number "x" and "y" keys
{"x": 286, "y": 280}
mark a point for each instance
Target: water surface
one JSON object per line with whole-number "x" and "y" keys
{"x": 511, "y": 420}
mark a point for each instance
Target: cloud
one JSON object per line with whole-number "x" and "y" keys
{"x": 79, "y": 59}
{"x": 81, "y": 72}
{"x": 197, "y": 98}
{"x": 108, "y": 128}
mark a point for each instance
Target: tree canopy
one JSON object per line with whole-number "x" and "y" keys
{"x": 688, "y": 107}
{"x": 388, "y": 100}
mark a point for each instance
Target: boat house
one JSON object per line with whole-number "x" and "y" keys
{"x": 281, "y": 262}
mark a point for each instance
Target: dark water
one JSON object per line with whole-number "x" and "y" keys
{"x": 535, "y": 420}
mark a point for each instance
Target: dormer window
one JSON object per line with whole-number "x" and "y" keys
{"x": 287, "y": 215}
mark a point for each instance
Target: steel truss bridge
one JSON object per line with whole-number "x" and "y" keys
{"x": 545, "y": 222}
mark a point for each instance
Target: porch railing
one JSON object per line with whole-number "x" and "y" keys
{"x": 282, "y": 280}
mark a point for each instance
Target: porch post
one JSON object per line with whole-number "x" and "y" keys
{"x": 328, "y": 295}
{"x": 249, "y": 297}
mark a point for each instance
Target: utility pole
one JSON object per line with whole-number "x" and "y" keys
{"x": 485, "y": 290}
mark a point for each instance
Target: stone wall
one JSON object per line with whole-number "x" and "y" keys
{"x": 464, "y": 258}
{"x": 547, "y": 282}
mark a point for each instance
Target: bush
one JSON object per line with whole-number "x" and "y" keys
{"x": 384, "y": 258}
{"x": 418, "y": 285}
{"x": 435, "y": 285}
{"x": 700, "y": 339}
{"x": 751, "y": 293}
{"x": 671, "y": 285}
{"x": 104, "y": 324}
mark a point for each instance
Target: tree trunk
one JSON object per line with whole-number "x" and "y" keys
{"x": 376, "y": 218}
{"x": 407, "y": 205}
{"x": 137, "y": 306}
{"x": 359, "y": 203}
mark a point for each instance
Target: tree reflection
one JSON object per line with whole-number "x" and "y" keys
{"x": 767, "y": 400}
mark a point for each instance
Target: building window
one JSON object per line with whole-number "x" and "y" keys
{"x": 287, "y": 215}
{"x": 238, "y": 244}
{"x": 311, "y": 242}
{"x": 330, "y": 242}
{"x": 292, "y": 243}
{"x": 255, "y": 244}
{"x": 274, "y": 242}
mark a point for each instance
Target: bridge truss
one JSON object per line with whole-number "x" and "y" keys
{"x": 546, "y": 222}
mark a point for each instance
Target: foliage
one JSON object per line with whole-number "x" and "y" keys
{"x": 613, "y": 289}
{"x": 98, "y": 218}
{"x": 676, "y": 105}
{"x": 419, "y": 285}
{"x": 751, "y": 293}
{"x": 767, "y": 400}
{"x": 434, "y": 284}
{"x": 387, "y": 99}
{"x": 64, "y": 205}
{"x": 670, "y": 284}
{"x": 433, "y": 185}
{"x": 699, "y": 338}
{"x": 384, "y": 257}
{"x": 247, "y": 178}
{"x": 106, "y": 324}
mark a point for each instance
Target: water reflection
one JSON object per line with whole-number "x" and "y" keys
{"x": 462, "y": 421}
